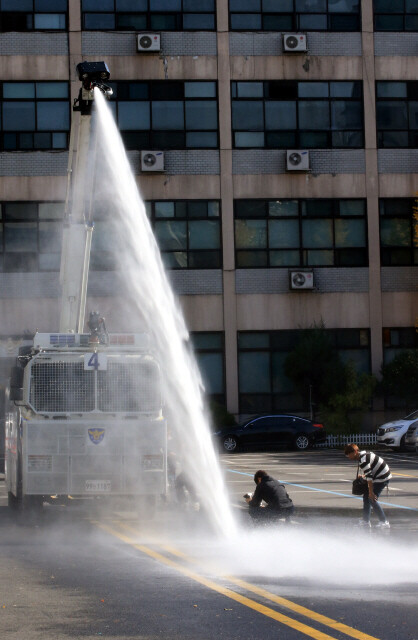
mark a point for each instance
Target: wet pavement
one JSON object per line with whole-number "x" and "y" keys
{"x": 82, "y": 571}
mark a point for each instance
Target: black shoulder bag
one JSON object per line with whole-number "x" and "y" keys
{"x": 360, "y": 486}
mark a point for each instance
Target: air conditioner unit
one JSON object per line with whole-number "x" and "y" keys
{"x": 295, "y": 42}
{"x": 152, "y": 160}
{"x": 148, "y": 42}
{"x": 301, "y": 279}
{"x": 297, "y": 160}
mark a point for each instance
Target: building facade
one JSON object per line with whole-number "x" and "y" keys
{"x": 289, "y": 130}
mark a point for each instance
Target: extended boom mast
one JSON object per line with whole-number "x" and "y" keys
{"x": 78, "y": 224}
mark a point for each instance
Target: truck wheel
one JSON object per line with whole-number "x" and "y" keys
{"x": 32, "y": 503}
{"x": 15, "y": 501}
{"x": 146, "y": 507}
{"x": 12, "y": 501}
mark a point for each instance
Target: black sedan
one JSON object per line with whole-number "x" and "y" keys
{"x": 272, "y": 431}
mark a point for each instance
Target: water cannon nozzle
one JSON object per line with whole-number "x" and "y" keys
{"x": 104, "y": 88}
{"x": 91, "y": 74}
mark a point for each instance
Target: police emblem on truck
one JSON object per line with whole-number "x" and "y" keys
{"x": 96, "y": 435}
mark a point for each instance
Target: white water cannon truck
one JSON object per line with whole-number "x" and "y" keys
{"x": 84, "y": 408}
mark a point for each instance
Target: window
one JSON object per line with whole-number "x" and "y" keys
{"x": 30, "y": 236}
{"x": 300, "y": 233}
{"x": 34, "y": 116}
{"x": 158, "y": 15}
{"x": 294, "y": 15}
{"x": 263, "y": 385}
{"x": 397, "y": 114}
{"x": 398, "y": 340}
{"x": 166, "y": 115}
{"x": 209, "y": 351}
{"x": 291, "y": 114}
{"x": 396, "y": 15}
{"x": 398, "y": 231}
{"x": 33, "y": 15}
{"x": 188, "y": 233}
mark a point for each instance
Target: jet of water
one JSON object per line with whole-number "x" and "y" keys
{"x": 161, "y": 317}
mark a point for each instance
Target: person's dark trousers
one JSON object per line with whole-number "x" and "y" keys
{"x": 367, "y": 505}
{"x": 264, "y": 514}
{"x": 182, "y": 483}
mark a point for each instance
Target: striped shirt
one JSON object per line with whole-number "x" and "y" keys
{"x": 374, "y": 467}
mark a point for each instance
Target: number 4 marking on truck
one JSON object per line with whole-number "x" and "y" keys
{"x": 94, "y": 361}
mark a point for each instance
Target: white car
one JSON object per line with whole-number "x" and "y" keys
{"x": 411, "y": 439}
{"x": 393, "y": 434}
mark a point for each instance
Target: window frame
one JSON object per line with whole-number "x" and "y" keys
{"x": 269, "y": 87}
{"x": 386, "y": 251}
{"x": 282, "y": 402}
{"x": 394, "y": 26}
{"x": 36, "y": 101}
{"x": 30, "y": 20}
{"x": 151, "y": 136}
{"x": 295, "y": 18}
{"x": 335, "y": 204}
{"x": 32, "y": 256}
{"x": 217, "y": 397}
{"x": 404, "y": 335}
{"x": 149, "y": 14}
{"x": 151, "y": 205}
{"x": 411, "y": 96}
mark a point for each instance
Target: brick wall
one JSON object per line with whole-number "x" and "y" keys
{"x": 397, "y": 160}
{"x": 44, "y": 163}
{"x": 271, "y": 44}
{"x": 265, "y": 161}
{"x": 326, "y": 280}
{"x": 202, "y": 43}
{"x": 199, "y": 161}
{"x": 33, "y": 44}
{"x": 33, "y": 163}
{"x": 399, "y": 278}
{"x": 29, "y": 285}
{"x": 395, "y": 44}
{"x": 105, "y": 283}
{"x": 196, "y": 281}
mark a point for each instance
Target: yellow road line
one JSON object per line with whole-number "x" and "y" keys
{"x": 329, "y": 622}
{"x": 402, "y": 475}
{"x": 251, "y": 604}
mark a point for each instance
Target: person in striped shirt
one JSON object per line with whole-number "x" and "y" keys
{"x": 377, "y": 474}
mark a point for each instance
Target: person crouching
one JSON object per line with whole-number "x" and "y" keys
{"x": 278, "y": 503}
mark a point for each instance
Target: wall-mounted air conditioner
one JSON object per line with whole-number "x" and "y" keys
{"x": 148, "y": 42}
{"x": 301, "y": 279}
{"x": 295, "y": 42}
{"x": 152, "y": 160}
{"x": 297, "y": 160}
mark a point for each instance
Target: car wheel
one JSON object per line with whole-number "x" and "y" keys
{"x": 230, "y": 444}
{"x": 302, "y": 441}
{"x": 402, "y": 444}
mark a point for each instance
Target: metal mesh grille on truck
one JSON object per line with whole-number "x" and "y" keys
{"x": 61, "y": 387}
{"x": 132, "y": 387}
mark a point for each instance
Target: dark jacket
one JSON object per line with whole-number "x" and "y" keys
{"x": 273, "y": 493}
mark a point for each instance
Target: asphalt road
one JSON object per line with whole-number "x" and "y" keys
{"x": 80, "y": 571}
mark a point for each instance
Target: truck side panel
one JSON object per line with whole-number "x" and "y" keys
{"x": 111, "y": 456}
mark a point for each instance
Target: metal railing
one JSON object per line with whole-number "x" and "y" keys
{"x": 341, "y": 440}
